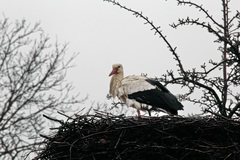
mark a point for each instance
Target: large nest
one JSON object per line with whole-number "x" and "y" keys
{"x": 105, "y": 137}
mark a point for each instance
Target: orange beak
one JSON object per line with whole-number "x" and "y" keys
{"x": 114, "y": 71}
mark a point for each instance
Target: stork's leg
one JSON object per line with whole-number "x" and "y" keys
{"x": 138, "y": 111}
{"x": 149, "y": 112}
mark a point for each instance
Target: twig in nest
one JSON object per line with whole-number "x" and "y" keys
{"x": 54, "y": 119}
{"x": 219, "y": 115}
{"x": 115, "y": 105}
{"x": 119, "y": 139}
{"x": 64, "y": 115}
{"x": 46, "y": 137}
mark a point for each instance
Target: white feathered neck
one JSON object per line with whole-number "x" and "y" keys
{"x": 117, "y": 77}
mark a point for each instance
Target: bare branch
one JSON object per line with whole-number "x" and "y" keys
{"x": 32, "y": 83}
{"x": 201, "y": 9}
{"x": 155, "y": 28}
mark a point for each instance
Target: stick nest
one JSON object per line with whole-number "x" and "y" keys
{"x": 93, "y": 137}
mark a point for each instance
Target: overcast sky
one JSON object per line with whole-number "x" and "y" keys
{"x": 104, "y": 34}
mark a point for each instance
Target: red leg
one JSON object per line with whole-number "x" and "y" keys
{"x": 138, "y": 111}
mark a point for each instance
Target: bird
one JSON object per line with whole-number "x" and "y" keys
{"x": 142, "y": 93}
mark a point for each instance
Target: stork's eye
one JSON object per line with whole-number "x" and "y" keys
{"x": 118, "y": 66}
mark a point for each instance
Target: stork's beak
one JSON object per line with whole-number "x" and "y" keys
{"x": 114, "y": 71}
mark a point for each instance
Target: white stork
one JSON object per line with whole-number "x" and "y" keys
{"x": 142, "y": 93}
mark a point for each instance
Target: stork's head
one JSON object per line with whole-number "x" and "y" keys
{"x": 116, "y": 69}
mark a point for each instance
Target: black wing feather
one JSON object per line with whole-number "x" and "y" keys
{"x": 155, "y": 82}
{"x": 160, "y": 97}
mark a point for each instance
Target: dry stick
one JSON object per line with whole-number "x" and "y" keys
{"x": 141, "y": 125}
{"x": 219, "y": 115}
{"x": 160, "y": 131}
{"x": 185, "y": 148}
{"x": 54, "y": 119}
{"x": 70, "y": 149}
{"x": 123, "y": 152}
{"x": 229, "y": 155}
{"x": 46, "y": 137}
{"x": 64, "y": 115}
{"x": 94, "y": 134}
{"x": 219, "y": 147}
{"x": 119, "y": 138}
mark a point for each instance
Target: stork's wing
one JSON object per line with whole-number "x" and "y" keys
{"x": 151, "y": 92}
{"x": 133, "y": 84}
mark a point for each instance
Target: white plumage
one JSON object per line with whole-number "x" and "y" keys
{"x": 130, "y": 85}
{"x": 142, "y": 93}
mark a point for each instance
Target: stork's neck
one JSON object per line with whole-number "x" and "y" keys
{"x": 117, "y": 78}
{"x": 115, "y": 84}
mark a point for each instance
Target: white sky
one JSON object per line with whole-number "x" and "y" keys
{"x": 104, "y": 34}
